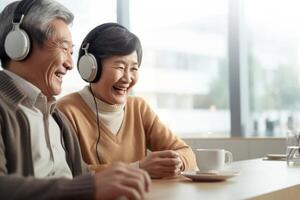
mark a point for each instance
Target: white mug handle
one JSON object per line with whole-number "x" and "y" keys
{"x": 229, "y": 156}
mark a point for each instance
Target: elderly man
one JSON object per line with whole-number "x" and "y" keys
{"x": 39, "y": 156}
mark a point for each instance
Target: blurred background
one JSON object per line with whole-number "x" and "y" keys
{"x": 211, "y": 69}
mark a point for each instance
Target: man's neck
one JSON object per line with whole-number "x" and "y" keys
{"x": 21, "y": 69}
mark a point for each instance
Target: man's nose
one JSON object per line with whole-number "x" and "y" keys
{"x": 69, "y": 64}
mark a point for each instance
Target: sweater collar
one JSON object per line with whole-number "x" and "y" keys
{"x": 102, "y": 106}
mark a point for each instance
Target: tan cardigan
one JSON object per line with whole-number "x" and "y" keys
{"x": 141, "y": 129}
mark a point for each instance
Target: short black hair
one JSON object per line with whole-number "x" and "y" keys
{"x": 111, "y": 39}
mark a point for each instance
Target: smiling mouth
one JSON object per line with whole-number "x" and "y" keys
{"x": 59, "y": 75}
{"x": 120, "y": 90}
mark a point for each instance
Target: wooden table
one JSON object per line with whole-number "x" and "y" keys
{"x": 258, "y": 179}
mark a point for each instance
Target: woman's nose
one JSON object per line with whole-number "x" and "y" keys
{"x": 127, "y": 76}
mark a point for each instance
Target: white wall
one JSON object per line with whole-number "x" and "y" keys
{"x": 242, "y": 148}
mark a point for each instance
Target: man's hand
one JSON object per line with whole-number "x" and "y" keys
{"x": 161, "y": 164}
{"x": 122, "y": 180}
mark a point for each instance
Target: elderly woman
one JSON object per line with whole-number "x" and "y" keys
{"x": 111, "y": 125}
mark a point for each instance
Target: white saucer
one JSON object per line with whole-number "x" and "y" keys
{"x": 216, "y": 176}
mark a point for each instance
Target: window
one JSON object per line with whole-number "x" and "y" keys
{"x": 273, "y": 36}
{"x": 184, "y": 73}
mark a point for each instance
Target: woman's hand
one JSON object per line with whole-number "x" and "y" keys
{"x": 161, "y": 164}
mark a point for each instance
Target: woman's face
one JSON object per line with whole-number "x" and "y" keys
{"x": 119, "y": 75}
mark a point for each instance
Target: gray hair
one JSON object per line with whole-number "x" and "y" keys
{"x": 37, "y": 22}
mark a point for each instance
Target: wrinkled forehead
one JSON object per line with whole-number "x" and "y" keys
{"x": 61, "y": 33}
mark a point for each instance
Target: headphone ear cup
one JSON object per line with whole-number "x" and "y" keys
{"x": 88, "y": 68}
{"x": 17, "y": 44}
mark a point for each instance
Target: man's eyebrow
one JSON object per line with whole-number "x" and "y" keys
{"x": 65, "y": 41}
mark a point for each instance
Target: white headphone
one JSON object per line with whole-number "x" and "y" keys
{"x": 87, "y": 65}
{"x": 17, "y": 42}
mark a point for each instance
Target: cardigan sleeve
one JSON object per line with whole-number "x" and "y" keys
{"x": 159, "y": 138}
{"x": 13, "y": 185}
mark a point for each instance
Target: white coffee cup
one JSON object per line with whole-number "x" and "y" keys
{"x": 212, "y": 159}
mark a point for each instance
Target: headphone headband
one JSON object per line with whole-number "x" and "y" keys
{"x": 91, "y": 37}
{"x": 22, "y": 9}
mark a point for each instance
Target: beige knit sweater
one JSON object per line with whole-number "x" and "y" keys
{"x": 141, "y": 129}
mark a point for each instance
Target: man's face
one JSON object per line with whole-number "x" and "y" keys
{"x": 119, "y": 75}
{"x": 52, "y": 61}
